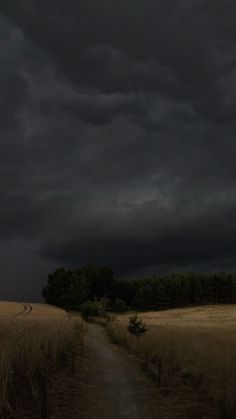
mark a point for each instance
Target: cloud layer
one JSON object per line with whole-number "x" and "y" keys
{"x": 118, "y": 131}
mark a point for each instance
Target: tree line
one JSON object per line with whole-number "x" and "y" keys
{"x": 70, "y": 289}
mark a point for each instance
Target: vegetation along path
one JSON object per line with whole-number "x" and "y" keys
{"x": 112, "y": 385}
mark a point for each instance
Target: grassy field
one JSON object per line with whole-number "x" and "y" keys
{"x": 197, "y": 345}
{"x": 36, "y": 341}
{"x": 191, "y": 353}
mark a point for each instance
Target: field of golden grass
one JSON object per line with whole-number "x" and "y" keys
{"x": 36, "y": 340}
{"x": 196, "y": 344}
{"x": 28, "y": 311}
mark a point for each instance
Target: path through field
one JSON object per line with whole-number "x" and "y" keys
{"x": 111, "y": 385}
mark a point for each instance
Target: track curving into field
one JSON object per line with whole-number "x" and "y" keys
{"x": 26, "y": 310}
{"x": 29, "y": 309}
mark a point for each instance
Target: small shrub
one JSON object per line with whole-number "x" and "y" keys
{"x": 89, "y": 308}
{"x": 96, "y": 308}
{"x": 136, "y": 326}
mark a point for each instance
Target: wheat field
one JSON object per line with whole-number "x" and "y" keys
{"x": 36, "y": 340}
{"x": 196, "y": 344}
{"x": 27, "y": 311}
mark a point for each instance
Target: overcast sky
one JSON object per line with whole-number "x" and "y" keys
{"x": 117, "y": 137}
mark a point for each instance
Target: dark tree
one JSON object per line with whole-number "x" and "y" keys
{"x": 69, "y": 289}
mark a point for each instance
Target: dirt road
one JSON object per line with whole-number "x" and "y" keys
{"x": 112, "y": 386}
{"x": 107, "y": 384}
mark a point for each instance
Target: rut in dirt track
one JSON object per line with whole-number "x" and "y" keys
{"x": 27, "y": 308}
{"x": 112, "y": 388}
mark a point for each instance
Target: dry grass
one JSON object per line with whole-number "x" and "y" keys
{"x": 196, "y": 344}
{"x": 32, "y": 348}
{"x": 9, "y": 309}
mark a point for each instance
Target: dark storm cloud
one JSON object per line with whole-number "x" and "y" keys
{"x": 118, "y": 130}
{"x": 179, "y": 48}
{"x": 167, "y": 237}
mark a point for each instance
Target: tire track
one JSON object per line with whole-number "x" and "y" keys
{"x": 27, "y": 308}
{"x": 21, "y": 312}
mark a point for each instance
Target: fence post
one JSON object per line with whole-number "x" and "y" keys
{"x": 146, "y": 358}
{"x": 159, "y": 372}
{"x": 73, "y": 362}
{"x": 44, "y": 400}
